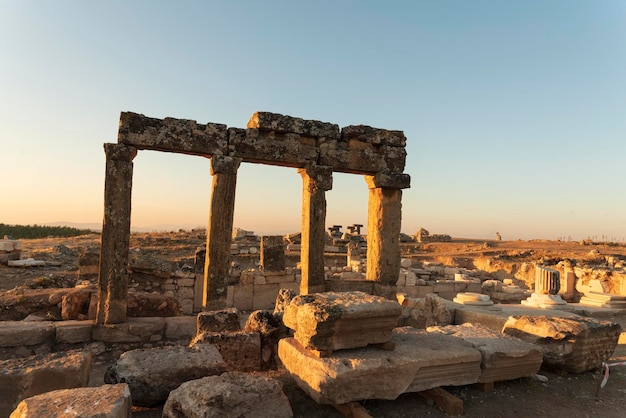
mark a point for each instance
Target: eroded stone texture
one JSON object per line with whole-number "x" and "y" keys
{"x": 153, "y": 372}
{"x": 420, "y": 361}
{"x": 503, "y": 357}
{"x": 375, "y": 136}
{"x": 282, "y": 149}
{"x": 218, "y": 321}
{"x": 574, "y": 344}
{"x": 428, "y": 311}
{"x": 170, "y": 134}
{"x": 272, "y": 253}
{"x": 25, "y": 377}
{"x": 15, "y": 333}
{"x": 241, "y": 350}
{"x": 267, "y": 121}
{"x": 110, "y": 401}
{"x": 270, "y": 327}
{"x": 333, "y": 321}
{"x": 231, "y": 395}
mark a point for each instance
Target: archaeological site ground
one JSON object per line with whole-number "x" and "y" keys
{"x": 332, "y": 320}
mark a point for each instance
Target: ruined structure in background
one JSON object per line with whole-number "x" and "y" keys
{"x": 424, "y": 236}
{"x": 316, "y": 149}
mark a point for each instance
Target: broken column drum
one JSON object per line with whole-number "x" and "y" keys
{"x": 547, "y": 281}
{"x": 317, "y": 149}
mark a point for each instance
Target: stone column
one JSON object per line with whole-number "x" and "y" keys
{"x": 219, "y": 231}
{"x": 113, "y": 267}
{"x": 316, "y": 180}
{"x": 383, "y": 229}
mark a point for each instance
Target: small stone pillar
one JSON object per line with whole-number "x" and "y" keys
{"x": 219, "y": 231}
{"x": 547, "y": 285}
{"x": 113, "y": 273}
{"x": 316, "y": 180}
{"x": 383, "y": 229}
{"x": 547, "y": 281}
{"x": 354, "y": 254}
{"x": 272, "y": 253}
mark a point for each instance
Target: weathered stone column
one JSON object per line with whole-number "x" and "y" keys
{"x": 383, "y": 229}
{"x": 219, "y": 231}
{"x": 113, "y": 273}
{"x": 316, "y": 180}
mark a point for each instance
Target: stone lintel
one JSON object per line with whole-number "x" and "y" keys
{"x": 388, "y": 180}
{"x": 222, "y": 164}
{"x": 172, "y": 135}
{"x": 267, "y": 121}
{"x": 372, "y": 135}
{"x": 273, "y": 148}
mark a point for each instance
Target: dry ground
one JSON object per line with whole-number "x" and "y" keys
{"x": 572, "y": 395}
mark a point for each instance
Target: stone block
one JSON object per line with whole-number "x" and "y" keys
{"x": 247, "y": 277}
{"x": 73, "y": 332}
{"x": 272, "y": 253}
{"x": 16, "y": 333}
{"x": 332, "y": 320}
{"x": 170, "y": 134}
{"x": 374, "y": 136}
{"x": 110, "y": 401}
{"x": 218, "y": 321}
{"x": 180, "y": 327}
{"x": 186, "y": 282}
{"x": 134, "y": 330}
{"x": 241, "y": 350}
{"x": 231, "y": 395}
{"x": 267, "y": 121}
{"x": 420, "y": 361}
{"x": 361, "y": 285}
{"x": 186, "y": 306}
{"x": 152, "y": 373}
{"x": 22, "y": 378}
{"x": 280, "y": 278}
{"x": 265, "y": 296}
{"x": 503, "y": 357}
{"x": 243, "y": 297}
{"x": 573, "y": 344}
{"x": 269, "y": 147}
{"x": 443, "y": 286}
{"x": 260, "y": 279}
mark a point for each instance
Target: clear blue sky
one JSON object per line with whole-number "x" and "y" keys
{"x": 515, "y": 112}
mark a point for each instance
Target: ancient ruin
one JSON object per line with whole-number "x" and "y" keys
{"x": 316, "y": 149}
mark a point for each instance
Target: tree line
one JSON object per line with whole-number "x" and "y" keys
{"x": 40, "y": 231}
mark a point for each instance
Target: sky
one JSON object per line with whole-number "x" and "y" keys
{"x": 514, "y": 112}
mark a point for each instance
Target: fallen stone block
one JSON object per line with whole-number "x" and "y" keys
{"x": 241, "y": 350}
{"x": 25, "y": 377}
{"x": 231, "y": 395}
{"x": 420, "y": 361}
{"x": 271, "y": 329}
{"x": 180, "y": 327}
{"x": 421, "y": 313}
{"x": 574, "y": 344}
{"x": 73, "y": 332}
{"x": 110, "y": 401}
{"x": 503, "y": 357}
{"x": 153, "y": 372}
{"x": 134, "y": 330}
{"x": 333, "y": 321}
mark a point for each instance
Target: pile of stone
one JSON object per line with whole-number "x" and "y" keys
{"x": 345, "y": 348}
{"x": 574, "y": 344}
{"x": 10, "y": 249}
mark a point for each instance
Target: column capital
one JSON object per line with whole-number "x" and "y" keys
{"x": 224, "y": 164}
{"x": 320, "y": 177}
{"x": 120, "y": 152}
{"x": 388, "y": 180}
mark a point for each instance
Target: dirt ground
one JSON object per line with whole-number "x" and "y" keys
{"x": 559, "y": 395}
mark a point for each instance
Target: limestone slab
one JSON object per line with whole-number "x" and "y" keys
{"x": 110, "y": 401}
{"x": 420, "y": 361}
{"x": 574, "y": 344}
{"x": 180, "y": 327}
{"x": 503, "y": 357}
{"x": 332, "y": 320}
{"x": 25, "y": 377}
{"x": 152, "y": 373}
{"x": 73, "y": 331}
{"x": 134, "y": 330}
